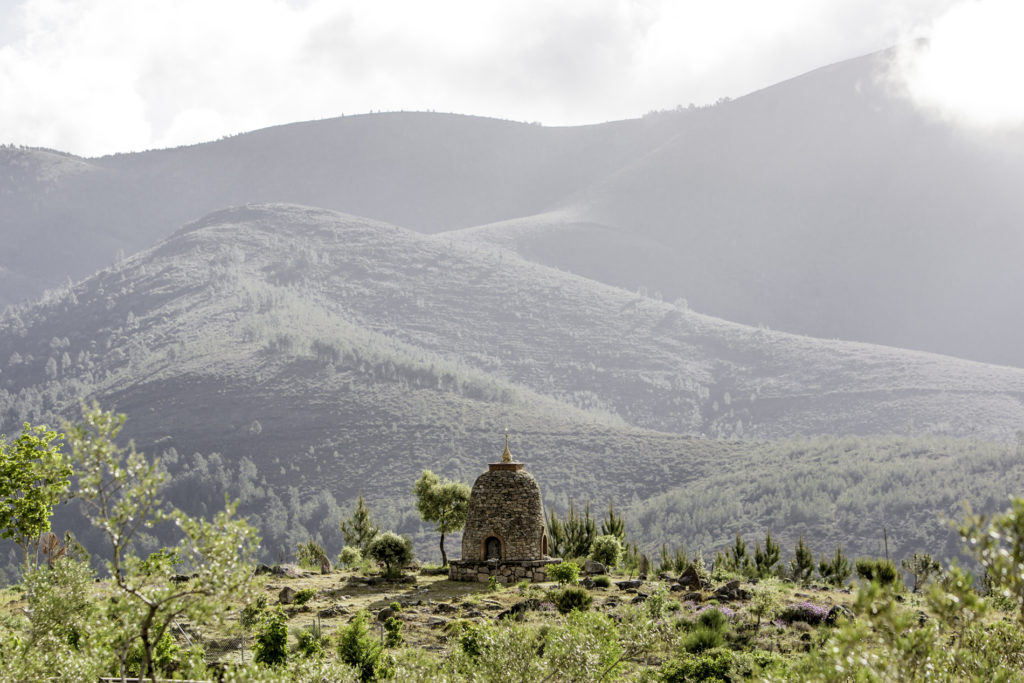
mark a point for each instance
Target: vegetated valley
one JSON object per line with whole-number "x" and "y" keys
{"x": 269, "y": 349}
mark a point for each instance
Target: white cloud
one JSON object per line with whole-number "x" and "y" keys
{"x": 97, "y": 76}
{"x": 970, "y": 65}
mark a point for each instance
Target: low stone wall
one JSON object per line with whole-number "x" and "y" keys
{"x": 512, "y": 571}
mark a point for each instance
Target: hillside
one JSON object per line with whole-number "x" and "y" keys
{"x": 65, "y": 216}
{"x": 308, "y": 355}
{"x": 825, "y": 205}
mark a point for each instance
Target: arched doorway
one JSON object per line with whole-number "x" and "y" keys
{"x": 492, "y": 548}
{"x": 543, "y": 545}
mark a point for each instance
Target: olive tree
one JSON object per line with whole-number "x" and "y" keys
{"x": 392, "y": 551}
{"x": 120, "y": 491}
{"x": 442, "y": 502}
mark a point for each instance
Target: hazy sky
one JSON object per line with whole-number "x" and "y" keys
{"x": 99, "y": 76}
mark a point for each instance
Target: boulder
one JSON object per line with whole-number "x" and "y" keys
{"x": 385, "y": 614}
{"x": 839, "y": 612}
{"x": 592, "y": 567}
{"x": 286, "y": 596}
{"x": 631, "y": 583}
{"x": 691, "y": 579}
{"x": 325, "y": 566}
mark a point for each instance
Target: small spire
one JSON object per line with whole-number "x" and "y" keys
{"x": 507, "y": 455}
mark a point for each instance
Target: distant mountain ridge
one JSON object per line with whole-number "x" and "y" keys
{"x": 825, "y": 205}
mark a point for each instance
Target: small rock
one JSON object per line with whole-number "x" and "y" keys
{"x": 677, "y": 587}
{"x": 518, "y": 610}
{"x": 286, "y": 596}
{"x": 631, "y": 583}
{"x": 695, "y": 596}
{"x": 333, "y": 611}
{"x": 444, "y": 608}
{"x": 436, "y": 621}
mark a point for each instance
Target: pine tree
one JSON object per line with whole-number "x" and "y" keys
{"x": 802, "y": 565}
{"x": 359, "y": 528}
{"x": 836, "y": 571}
{"x": 765, "y": 560}
{"x": 614, "y": 525}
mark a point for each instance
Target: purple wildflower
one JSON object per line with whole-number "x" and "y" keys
{"x": 805, "y": 611}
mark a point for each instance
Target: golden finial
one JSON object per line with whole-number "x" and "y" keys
{"x": 507, "y": 455}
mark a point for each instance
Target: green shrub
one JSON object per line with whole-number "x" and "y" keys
{"x": 358, "y": 649}
{"x": 607, "y": 550}
{"x": 310, "y": 642}
{"x": 392, "y": 632}
{"x": 564, "y": 572}
{"x": 603, "y": 581}
{"x": 882, "y": 572}
{"x": 703, "y": 638}
{"x": 391, "y": 550}
{"x": 165, "y": 656}
{"x": 470, "y": 641}
{"x": 253, "y": 612}
{"x": 572, "y": 598}
{"x": 712, "y": 665}
{"x": 492, "y": 585}
{"x": 271, "y": 646}
{"x": 395, "y": 606}
{"x": 713, "y": 619}
{"x": 304, "y": 596}
{"x": 350, "y": 556}
{"x": 310, "y": 555}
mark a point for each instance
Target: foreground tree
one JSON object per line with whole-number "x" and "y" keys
{"x": 34, "y": 475}
{"x": 443, "y": 503}
{"x": 121, "y": 493}
{"x": 392, "y": 551}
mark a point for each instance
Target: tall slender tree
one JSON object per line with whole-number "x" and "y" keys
{"x": 443, "y": 503}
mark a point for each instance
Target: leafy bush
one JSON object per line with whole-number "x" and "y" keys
{"x": 882, "y": 572}
{"x": 392, "y": 632}
{"x": 391, "y": 550}
{"x": 921, "y": 566}
{"x": 564, "y": 572}
{"x": 470, "y": 641}
{"x": 253, "y": 612}
{"x": 572, "y": 598}
{"x": 712, "y": 665}
{"x": 492, "y": 584}
{"x": 271, "y": 647}
{"x": 350, "y": 556}
{"x": 607, "y": 550}
{"x": 165, "y": 656}
{"x": 310, "y": 642}
{"x": 713, "y": 618}
{"x": 603, "y": 581}
{"x": 357, "y": 648}
{"x": 395, "y": 606}
{"x": 310, "y": 555}
{"x": 702, "y": 639}
{"x": 304, "y": 596}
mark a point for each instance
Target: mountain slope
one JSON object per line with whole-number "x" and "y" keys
{"x": 426, "y": 171}
{"x": 826, "y": 205}
{"x": 292, "y": 357}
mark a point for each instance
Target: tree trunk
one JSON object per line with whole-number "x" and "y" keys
{"x": 444, "y": 556}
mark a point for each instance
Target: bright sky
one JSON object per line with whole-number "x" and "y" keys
{"x": 99, "y": 76}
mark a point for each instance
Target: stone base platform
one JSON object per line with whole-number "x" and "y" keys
{"x": 511, "y": 571}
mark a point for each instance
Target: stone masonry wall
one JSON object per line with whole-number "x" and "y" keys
{"x": 505, "y": 503}
{"x": 535, "y": 571}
